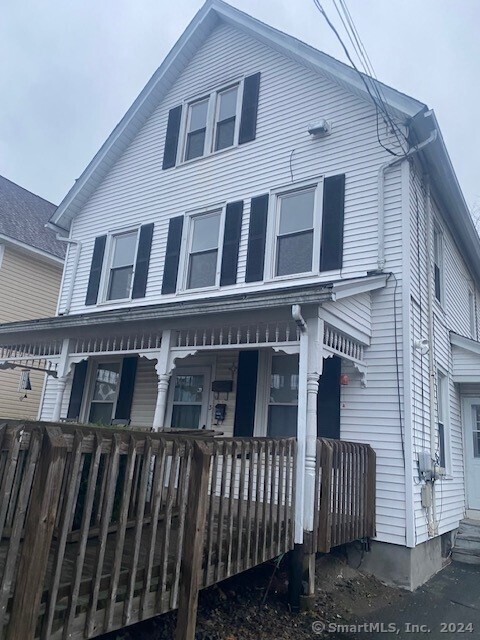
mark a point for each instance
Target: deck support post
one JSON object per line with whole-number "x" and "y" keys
{"x": 39, "y": 526}
{"x": 163, "y": 369}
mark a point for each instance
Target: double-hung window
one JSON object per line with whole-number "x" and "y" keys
{"x": 203, "y": 255}
{"x": 297, "y": 236}
{"x": 438, "y": 263}
{"x": 442, "y": 417}
{"x": 123, "y": 252}
{"x": 196, "y": 129}
{"x": 212, "y": 123}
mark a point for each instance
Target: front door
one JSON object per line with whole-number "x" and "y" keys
{"x": 472, "y": 451}
{"x": 104, "y": 392}
{"x": 188, "y": 406}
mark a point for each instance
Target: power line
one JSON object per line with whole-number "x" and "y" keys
{"x": 378, "y": 100}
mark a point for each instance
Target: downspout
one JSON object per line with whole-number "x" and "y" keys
{"x": 301, "y": 434}
{"x": 381, "y": 192}
{"x": 78, "y": 251}
{"x": 432, "y": 520}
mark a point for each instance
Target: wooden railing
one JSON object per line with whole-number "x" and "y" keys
{"x": 344, "y": 493}
{"x": 103, "y": 528}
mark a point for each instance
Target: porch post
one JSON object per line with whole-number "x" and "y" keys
{"x": 163, "y": 369}
{"x": 63, "y": 371}
{"x": 310, "y": 370}
{"x": 57, "y": 408}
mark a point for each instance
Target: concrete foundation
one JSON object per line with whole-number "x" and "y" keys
{"x": 400, "y": 566}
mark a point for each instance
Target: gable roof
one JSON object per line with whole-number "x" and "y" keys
{"x": 215, "y": 12}
{"x": 23, "y": 216}
{"x": 211, "y": 15}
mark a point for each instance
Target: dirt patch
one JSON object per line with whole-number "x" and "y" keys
{"x": 238, "y": 609}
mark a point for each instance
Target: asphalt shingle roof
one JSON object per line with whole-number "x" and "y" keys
{"x": 23, "y": 216}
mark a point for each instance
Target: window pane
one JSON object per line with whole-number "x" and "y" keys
{"x": 205, "y": 232}
{"x": 186, "y": 416}
{"x": 106, "y": 381}
{"x": 195, "y": 145}
{"x": 124, "y": 249}
{"x": 476, "y": 444}
{"x": 225, "y": 134}
{"x": 441, "y": 444}
{"x": 101, "y": 412}
{"x": 284, "y": 379}
{"x": 198, "y": 115}
{"x": 294, "y": 253}
{"x": 282, "y": 421}
{"x": 120, "y": 283}
{"x": 296, "y": 211}
{"x": 228, "y": 104}
{"x": 203, "y": 269}
{"x": 188, "y": 389}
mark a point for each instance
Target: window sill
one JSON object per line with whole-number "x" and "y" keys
{"x": 185, "y": 163}
{"x": 308, "y": 275}
{"x": 104, "y": 303}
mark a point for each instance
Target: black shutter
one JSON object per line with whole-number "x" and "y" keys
{"x": 95, "y": 270}
{"x": 231, "y": 243}
{"x": 331, "y": 249}
{"x": 143, "y": 260}
{"x": 246, "y": 394}
{"x": 248, "y": 121}
{"x": 125, "y": 392}
{"x": 328, "y": 399}
{"x": 171, "y": 137}
{"x": 257, "y": 233}
{"x": 172, "y": 255}
{"x": 76, "y": 394}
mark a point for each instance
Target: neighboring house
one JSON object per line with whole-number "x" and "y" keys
{"x": 31, "y": 265}
{"x": 245, "y": 253}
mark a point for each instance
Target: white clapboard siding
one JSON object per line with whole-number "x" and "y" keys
{"x": 144, "y": 393}
{"x": 371, "y": 414}
{"x": 136, "y": 188}
{"x": 452, "y": 315}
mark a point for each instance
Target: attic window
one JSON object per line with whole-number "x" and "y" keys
{"x": 212, "y": 123}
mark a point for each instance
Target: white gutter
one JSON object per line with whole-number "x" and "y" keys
{"x": 381, "y": 192}
{"x": 78, "y": 251}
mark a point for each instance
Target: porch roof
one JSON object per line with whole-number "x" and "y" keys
{"x": 65, "y": 326}
{"x": 465, "y": 359}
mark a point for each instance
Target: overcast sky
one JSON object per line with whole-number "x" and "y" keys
{"x": 69, "y": 69}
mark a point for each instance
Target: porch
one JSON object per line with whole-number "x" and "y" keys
{"x": 107, "y": 527}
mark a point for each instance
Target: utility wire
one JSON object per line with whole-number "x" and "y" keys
{"x": 377, "y": 100}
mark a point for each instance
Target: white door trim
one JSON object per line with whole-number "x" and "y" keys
{"x": 206, "y": 411}
{"x": 468, "y": 456}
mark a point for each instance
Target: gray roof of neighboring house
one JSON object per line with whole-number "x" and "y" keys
{"x": 23, "y": 217}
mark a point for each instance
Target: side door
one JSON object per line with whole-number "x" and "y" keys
{"x": 189, "y": 398}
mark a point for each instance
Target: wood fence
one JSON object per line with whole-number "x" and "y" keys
{"x": 344, "y": 493}
{"x": 102, "y": 528}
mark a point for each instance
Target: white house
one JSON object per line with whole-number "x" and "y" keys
{"x": 258, "y": 248}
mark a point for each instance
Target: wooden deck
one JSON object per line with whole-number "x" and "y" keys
{"x": 103, "y": 528}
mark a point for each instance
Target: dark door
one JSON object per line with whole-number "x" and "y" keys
{"x": 328, "y": 402}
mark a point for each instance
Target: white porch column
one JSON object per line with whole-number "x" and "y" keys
{"x": 161, "y": 404}
{"x": 310, "y": 370}
{"x": 57, "y": 408}
{"x": 63, "y": 371}
{"x": 163, "y": 369}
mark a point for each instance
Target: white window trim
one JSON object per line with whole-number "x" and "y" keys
{"x": 274, "y": 222}
{"x": 440, "y": 371}
{"x": 187, "y": 244}
{"x": 2, "y": 253}
{"x": 472, "y": 313}
{"x": 211, "y": 123}
{"x": 90, "y": 384}
{"x": 107, "y": 264}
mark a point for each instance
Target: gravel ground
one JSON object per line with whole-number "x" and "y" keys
{"x": 240, "y": 608}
